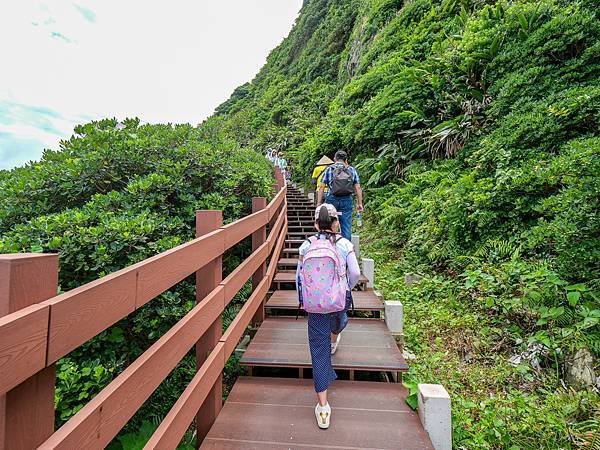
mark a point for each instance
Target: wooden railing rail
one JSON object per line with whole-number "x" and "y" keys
{"x": 33, "y": 338}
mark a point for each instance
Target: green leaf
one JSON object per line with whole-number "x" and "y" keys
{"x": 573, "y": 297}
{"x": 412, "y": 401}
{"x": 523, "y": 21}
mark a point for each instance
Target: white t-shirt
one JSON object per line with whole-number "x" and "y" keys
{"x": 343, "y": 245}
{"x": 346, "y": 250}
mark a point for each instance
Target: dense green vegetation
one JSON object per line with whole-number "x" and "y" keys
{"x": 476, "y": 128}
{"x": 109, "y": 198}
{"x": 475, "y": 125}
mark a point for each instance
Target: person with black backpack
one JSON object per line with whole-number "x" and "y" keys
{"x": 342, "y": 181}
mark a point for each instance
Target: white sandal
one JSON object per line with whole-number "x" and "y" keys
{"x": 334, "y": 345}
{"x": 323, "y": 415}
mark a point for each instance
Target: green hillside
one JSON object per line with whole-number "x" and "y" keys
{"x": 475, "y": 126}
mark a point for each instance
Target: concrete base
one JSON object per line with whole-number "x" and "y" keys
{"x": 356, "y": 243}
{"x": 435, "y": 414}
{"x": 368, "y": 269}
{"x": 241, "y": 348}
{"x": 394, "y": 316}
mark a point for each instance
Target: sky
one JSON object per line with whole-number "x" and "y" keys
{"x": 65, "y": 63}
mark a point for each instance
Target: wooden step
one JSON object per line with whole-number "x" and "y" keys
{"x": 287, "y": 262}
{"x": 366, "y": 344}
{"x": 278, "y": 413}
{"x": 302, "y": 223}
{"x": 299, "y": 234}
{"x": 290, "y": 277}
{"x": 293, "y": 243}
{"x": 292, "y": 228}
{"x": 363, "y": 301}
{"x": 301, "y": 214}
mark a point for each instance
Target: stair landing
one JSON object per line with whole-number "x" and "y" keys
{"x": 288, "y": 300}
{"x": 278, "y": 413}
{"x": 366, "y": 344}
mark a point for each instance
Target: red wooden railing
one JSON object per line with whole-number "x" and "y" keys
{"x": 38, "y": 327}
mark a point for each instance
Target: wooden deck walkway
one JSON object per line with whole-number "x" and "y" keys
{"x": 277, "y": 413}
{"x": 267, "y": 412}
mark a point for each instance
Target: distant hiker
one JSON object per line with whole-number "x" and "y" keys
{"x": 327, "y": 272}
{"x": 319, "y": 170}
{"x": 271, "y": 155}
{"x": 342, "y": 181}
{"x": 283, "y": 165}
{"x": 280, "y": 161}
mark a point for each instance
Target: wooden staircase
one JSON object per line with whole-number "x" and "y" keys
{"x": 270, "y": 412}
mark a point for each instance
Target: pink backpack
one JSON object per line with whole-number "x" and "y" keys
{"x": 323, "y": 278}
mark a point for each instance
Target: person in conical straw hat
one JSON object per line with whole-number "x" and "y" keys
{"x": 319, "y": 169}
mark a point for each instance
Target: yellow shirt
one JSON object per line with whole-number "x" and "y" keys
{"x": 318, "y": 175}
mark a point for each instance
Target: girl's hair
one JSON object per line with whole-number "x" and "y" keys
{"x": 325, "y": 222}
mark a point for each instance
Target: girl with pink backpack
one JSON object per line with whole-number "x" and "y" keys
{"x": 326, "y": 273}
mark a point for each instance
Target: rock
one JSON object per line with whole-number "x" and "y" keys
{"x": 412, "y": 278}
{"x": 515, "y": 360}
{"x": 580, "y": 370}
{"x": 408, "y": 356}
{"x": 531, "y": 355}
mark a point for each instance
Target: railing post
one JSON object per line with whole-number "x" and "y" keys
{"x": 274, "y": 218}
{"x": 258, "y": 238}
{"x": 207, "y": 279}
{"x": 27, "y": 411}
{"x": 279, "y": 178}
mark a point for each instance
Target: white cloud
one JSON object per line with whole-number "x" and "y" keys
{"x": 160, "y": 61}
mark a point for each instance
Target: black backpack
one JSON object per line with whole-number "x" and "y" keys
{"x": 342, "y": 182}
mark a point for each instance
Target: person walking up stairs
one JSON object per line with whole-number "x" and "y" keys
{"x": 327, "y": 272}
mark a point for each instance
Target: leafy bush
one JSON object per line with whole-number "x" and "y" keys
{"x": 112, "y": 197}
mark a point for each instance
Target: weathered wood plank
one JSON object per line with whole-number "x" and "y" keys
{"x": 22, "y": 345}
{"x": 80, "y": 314}
{"x": 276, "y": 203}
{"x": 159, "y": 273}
{"x": 274, "y": 233}
{"x": 94, "y": 426}
{"x": 243, "y": 228}
{"x": 236, "y": 279}
{"x": 171, "y": 430}
{"x": 367, "y": 415}
{"x": 366, "y": 344}
{"x": 288, "y": 299}
{"x": 207, "y": 279}
{"x": 272, "y": 268}
{"x": 236, "y": 329}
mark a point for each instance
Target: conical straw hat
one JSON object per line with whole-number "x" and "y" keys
{"x": 324, "y": 161}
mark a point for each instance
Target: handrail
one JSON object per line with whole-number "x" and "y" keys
{"x": 37, "y": 336}
{"x": 176, "y": 422}
{"x": 78, "y": 315}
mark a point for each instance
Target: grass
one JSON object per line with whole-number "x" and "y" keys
{"x": 467, "y": 349}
